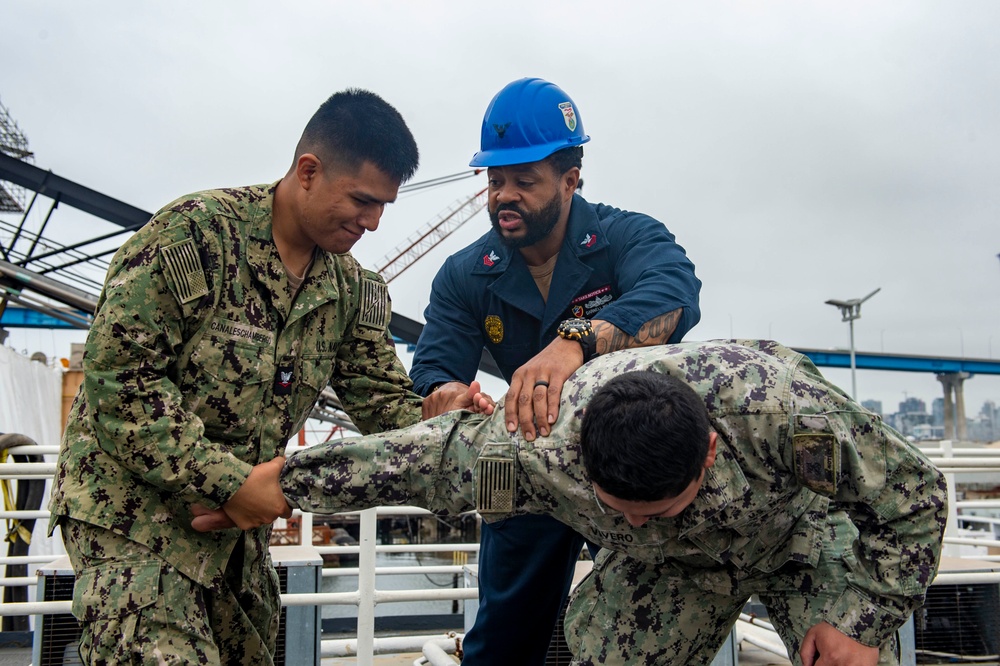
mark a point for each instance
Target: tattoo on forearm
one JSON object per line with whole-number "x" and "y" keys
{"x": 656, "y": 331}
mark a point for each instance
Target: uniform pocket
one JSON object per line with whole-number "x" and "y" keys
{"x": 226, "y": 386}
{"x": 115, "y": 590}
{"x": 316, "y": 369}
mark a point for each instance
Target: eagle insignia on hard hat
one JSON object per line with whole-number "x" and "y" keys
{"x": 569, "y": 115}
{"x": 500, "y": 129}
{"x": 494, "y": 329}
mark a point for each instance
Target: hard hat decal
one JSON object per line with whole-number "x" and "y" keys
{"x": 500, "y": 129}
{"x": 494, "y": 329}
{"x": 569, "y": 115}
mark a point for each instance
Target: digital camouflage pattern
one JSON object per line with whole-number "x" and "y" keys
{"x": 805, "y": 483}
{"x": 199, "y": 365}
{"x": 166, "y": 619}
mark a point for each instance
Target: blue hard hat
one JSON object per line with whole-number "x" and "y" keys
{"x": 527, "y": 121}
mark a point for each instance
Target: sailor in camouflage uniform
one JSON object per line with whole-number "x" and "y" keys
{"x": 791, "y": 491}
{"x": 207, "y": 353}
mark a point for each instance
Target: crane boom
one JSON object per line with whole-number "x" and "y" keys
{"x": 432, "y": 233}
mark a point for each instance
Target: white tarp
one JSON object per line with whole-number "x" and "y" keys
{"x": 31, "y": 405}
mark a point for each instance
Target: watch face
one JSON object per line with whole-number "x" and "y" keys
{"x": 575, "y": 328}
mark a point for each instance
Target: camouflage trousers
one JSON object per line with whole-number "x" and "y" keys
{"x": 135, "y": 608}
{"x": 630, "y": 612}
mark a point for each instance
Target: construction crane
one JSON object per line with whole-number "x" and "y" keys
{"x": 429, "y": 235}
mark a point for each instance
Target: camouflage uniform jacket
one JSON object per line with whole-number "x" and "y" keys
{"x": 791, "y": 448}
{"x": 199, "y": 365}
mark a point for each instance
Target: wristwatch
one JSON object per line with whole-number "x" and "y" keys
{"x": 582, "y": 331}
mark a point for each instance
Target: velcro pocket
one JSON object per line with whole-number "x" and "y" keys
{"x": 817, "y": 455}
{"x": 115, "y": 590}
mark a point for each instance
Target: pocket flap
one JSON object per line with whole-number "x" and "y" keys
{"x": 115, "y": 589}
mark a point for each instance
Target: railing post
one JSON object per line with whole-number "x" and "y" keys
{"x": 306, "y": 529}
{"x": 366, "y": 588}
{"x": 951, "y": 529}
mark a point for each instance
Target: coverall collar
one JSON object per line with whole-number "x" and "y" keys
{"x": 514, "y": 283}
{"x": 262, "y": 255}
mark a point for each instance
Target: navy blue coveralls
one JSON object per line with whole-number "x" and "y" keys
{"x": 617, "y": 266}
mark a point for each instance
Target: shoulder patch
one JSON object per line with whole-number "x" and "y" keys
{"x": 494, "y": 478}
{"x": 182, "y": 262}
{"x": 373, "y": 304}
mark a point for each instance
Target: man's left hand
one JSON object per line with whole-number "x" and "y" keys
{"x": 536, "y": 386}
{"x": 824, "y": 645}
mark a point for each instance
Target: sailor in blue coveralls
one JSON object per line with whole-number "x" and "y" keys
{"x": 556, "y": 282}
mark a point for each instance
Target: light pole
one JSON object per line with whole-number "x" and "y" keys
{"x": 849, "y": 311}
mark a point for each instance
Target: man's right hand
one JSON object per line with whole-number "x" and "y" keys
{"x": 259, "y": 501}
{"x": 456, "y": 395}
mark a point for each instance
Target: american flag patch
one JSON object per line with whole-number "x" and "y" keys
{"x": 495, "y": 485}
{"x": 373, "y": 304}
{"x": 182, "y": 263}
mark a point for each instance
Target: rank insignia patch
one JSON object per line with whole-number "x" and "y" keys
{"x": 490, "y": 259}
{"x": 283, "y": 380}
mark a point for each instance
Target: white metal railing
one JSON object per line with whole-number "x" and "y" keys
{"x": 952, "y": 461}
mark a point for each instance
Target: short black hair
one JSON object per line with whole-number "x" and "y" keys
{"x": 565, "y": 159}
{"x": 355, "y": 126}
{"x": 644, "y": 436}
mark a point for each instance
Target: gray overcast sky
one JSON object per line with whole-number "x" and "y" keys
{"x": 800, "y": 151}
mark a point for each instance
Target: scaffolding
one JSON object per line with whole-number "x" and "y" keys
{"x": 13, "y": 143}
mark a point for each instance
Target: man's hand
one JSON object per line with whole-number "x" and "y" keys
{"x": 456, "y": 395}
{"x": 536, "y": 386}
{"x": 259, "y": 501}
{"x": 482, "y": 403}
{"x": 208, "y": 520}
{"x": 824, "y": 645}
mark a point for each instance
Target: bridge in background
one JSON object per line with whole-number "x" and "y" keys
{"x": 902, "y": 362}
{"x": 951, "y": 371}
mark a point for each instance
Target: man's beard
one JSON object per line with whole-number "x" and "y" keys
{"x": 537, "y": 225}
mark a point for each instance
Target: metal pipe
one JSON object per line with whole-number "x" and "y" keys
{"x": 411, "y": 548}
{"x": 36, "y": 608}
{"x": 12, "y": 469}
{"x": 366, "y": 585}
{"x": 437, "y": 656}
{"x": 24, "y": 514}
{"x": 28, "y": 559}
{"x": 967, "y": 578}
{"x": 23, "y": 581}
{"x": 36, "y": 449}
{"x": 347, "y": 647}
{"x": 971, "y": 541}
{"x": 49, "y": 287}
{"x": 392, "y": 571}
